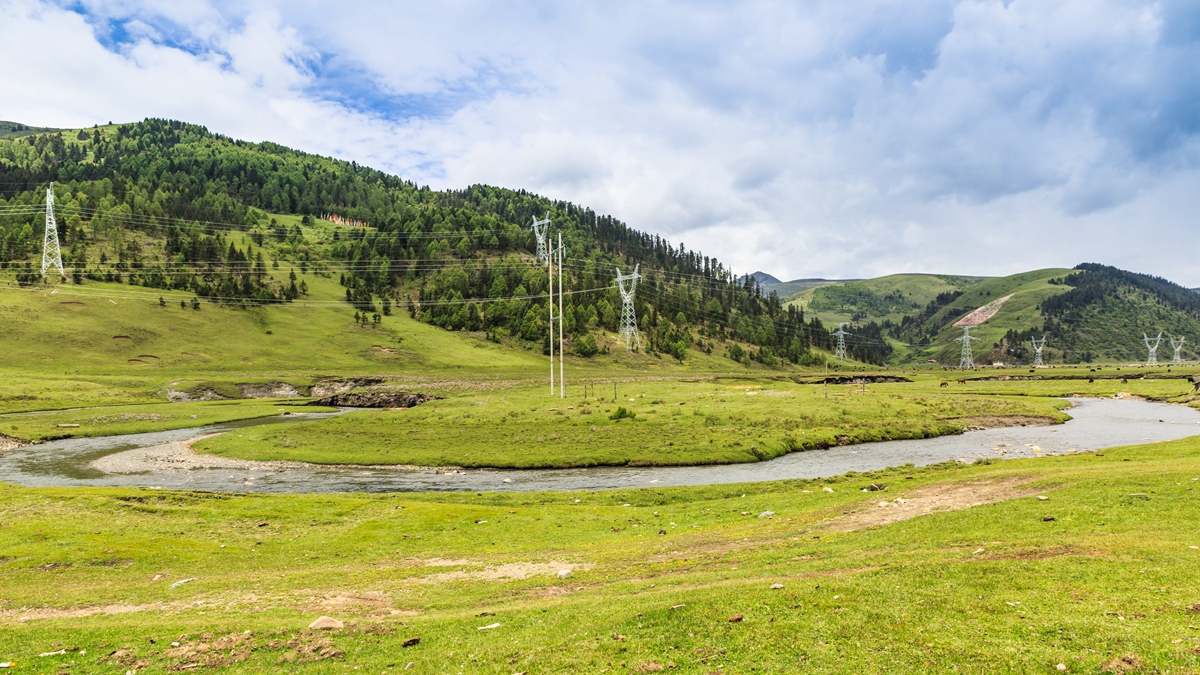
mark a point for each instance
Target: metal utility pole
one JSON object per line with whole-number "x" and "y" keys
{"x": 1038, "y": 345}
{"x": 1152, "y": 360}
{"x": 967, "y": 360}
{"x": 562, "y": 378}
{"x": 540, "y": 235}
{"x": 629, "y": 326}
{"x": 841, "y": 334}
{"x": 51, "y": 255}
{"x": 549, "y": 305}
{"x": 1178, "y": 347}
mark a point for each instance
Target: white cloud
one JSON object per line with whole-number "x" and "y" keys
{"x": 819, "y": 139}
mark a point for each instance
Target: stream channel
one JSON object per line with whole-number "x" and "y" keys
{"x": 160, "y": 460}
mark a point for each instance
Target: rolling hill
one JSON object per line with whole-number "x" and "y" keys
{"x": 884, "y": 298}
{"x": 166, "y": 208}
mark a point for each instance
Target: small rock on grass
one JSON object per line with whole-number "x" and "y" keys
{"x": 565, "y": 574}
{"x": 766, "y": 514}
{"x": 325, "y": 623}
{"x": 1062, "y": 667}
{"x": 1047, "y": 519}
{"x": 1042, "y": 498}
{"x": 776, "y": 587}
{"x": 736, "y": 618}
{"x": 411, "y": 642}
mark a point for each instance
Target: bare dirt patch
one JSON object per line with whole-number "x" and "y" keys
{"x": 935, "y": 499}
{"x": 43, "y": 613}
{"x": 506, "y": 572}
{"x": 981, "y": 422}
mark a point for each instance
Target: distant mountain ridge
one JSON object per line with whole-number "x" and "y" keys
{"x": 787, "y": 289}
{"x": 762, "y": 278}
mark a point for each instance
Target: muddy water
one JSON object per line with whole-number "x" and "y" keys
{"x": 161, "y": 460}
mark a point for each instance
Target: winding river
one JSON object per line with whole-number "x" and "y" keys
{"x": 162, "y": 460}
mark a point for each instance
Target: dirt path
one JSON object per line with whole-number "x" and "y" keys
{"x": 935, "y": 499}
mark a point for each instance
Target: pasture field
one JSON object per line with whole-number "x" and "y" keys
{"x": 812, "y": 576}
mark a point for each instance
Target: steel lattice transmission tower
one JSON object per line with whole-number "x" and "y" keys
{"x": 1038, "y": 345}
{"x": 629, "y": 326}
{"x": 51, "y": 254}
{"x": 540, "y": 235}
{"x": 967, "y": 359}
{"x": 840, "y": 350}
{"x": 1153, "y": 358}
{"x": 1178, "y": 347}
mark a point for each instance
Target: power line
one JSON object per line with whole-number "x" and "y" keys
{"x": 153, "y": 294}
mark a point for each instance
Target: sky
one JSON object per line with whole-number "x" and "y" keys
{"x": 805, "y": 139}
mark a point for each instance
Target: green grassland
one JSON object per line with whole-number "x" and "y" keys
{"x": 664, "y": 423}
{"x": 1100, "y": 571}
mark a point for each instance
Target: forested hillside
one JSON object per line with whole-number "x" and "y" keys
{"x": 168, "y": 205}
{"x": 1091, "y": 313}
{"x": 1106, "y": 312}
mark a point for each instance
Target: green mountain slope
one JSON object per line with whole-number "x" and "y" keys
{"x": 884, "y": 298}
{"x": 1106, "y": 312}
{"x": 169, "y": 207}
{"x": 1091, "y": 313}
{"x": 933, "y": 333}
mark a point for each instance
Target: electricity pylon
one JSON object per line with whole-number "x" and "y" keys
{"x": 540, "y": 235}
{"x": 1153, "y": 358}
{"x": 629, "y": 326}
{"x": 1038, "y": 345}
{"x": 967, "y": 359}
{"x": 51, "y": 255}
{"x": 840, "y": 350}
{"x": 1178, "y": 347}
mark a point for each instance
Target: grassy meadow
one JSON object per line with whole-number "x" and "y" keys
{"x": 813, "y": 576}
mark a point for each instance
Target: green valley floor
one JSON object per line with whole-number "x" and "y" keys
{"x": 1089, "y": 561}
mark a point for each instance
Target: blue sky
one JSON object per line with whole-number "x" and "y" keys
{"x": 802, "y": 138}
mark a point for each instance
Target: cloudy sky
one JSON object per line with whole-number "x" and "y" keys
{"x": 832, "y": 139}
